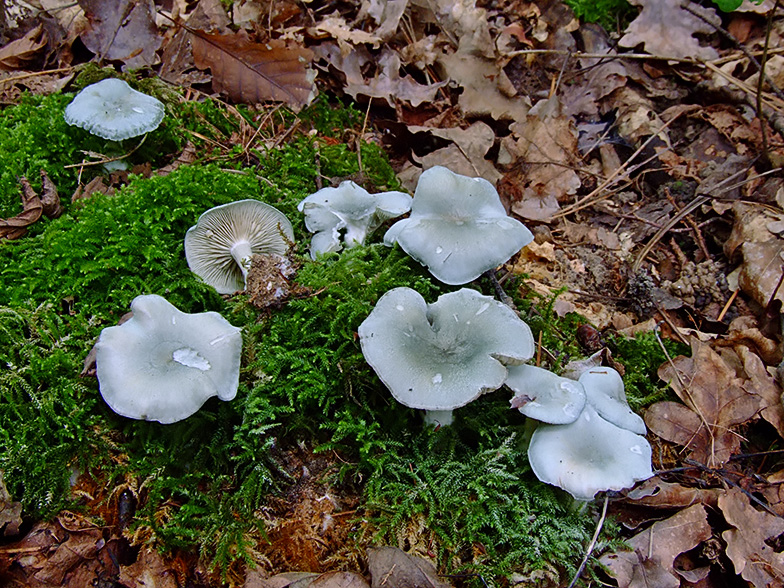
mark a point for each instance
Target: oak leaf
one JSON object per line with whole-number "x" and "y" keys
{"x": 545, "y": 150}
{"x": 747, "y": 540}
{"x": 652, "y": 561}
{"x": 667, "y": 30}
{"x": 122, "y": 30}
{"x": 15, "y": 54}
{"x": 714, "y": 400}
{"x": 252, "y": 72}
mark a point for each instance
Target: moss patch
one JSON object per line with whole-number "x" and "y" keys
{"x": 206, "y": 483}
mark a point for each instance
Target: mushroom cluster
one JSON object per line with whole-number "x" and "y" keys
{"x": 589, "y": 440}
{"x": 346, "y": 215}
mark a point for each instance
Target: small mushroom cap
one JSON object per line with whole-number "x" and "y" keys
{"x": 443, "y": 355}
{"x": 604, "y": 391}
{"x": 351, "y": 209}
{"x": 113, "y": 110}
{"x": 544, "y": 396}
{"x": 250, "y": 225}
{"x": 163, "y": 364}
{"x": 589, "y": 455}
{"x": 458, "y": 227}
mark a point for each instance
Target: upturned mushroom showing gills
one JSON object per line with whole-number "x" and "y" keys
{"x": 163, "y": 364}
{"x": 346, "y": 215}
{"x": 589, "y": 455}
{"x": 111, "y": 109}
{"x": 220, "y": 246}
{"x": 458, "y": 227}
{"x": 443, "y": 355}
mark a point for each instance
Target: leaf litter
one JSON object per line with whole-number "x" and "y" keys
{"x": 651, "y": 205}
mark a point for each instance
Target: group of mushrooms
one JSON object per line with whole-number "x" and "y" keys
{"x": 436, "y": 357}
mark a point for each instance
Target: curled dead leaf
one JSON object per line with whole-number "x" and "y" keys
{"x": 252, "y": 72}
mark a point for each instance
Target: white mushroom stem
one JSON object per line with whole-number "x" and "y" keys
{"x": 439, "y": 418}
{"x": 241, "y": 252}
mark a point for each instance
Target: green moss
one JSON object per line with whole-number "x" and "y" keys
{"x": 611, "y": 14}
{"x": 201, "y": 482}
{"x": 641, "y": 357}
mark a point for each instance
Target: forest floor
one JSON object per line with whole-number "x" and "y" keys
{"x": 647, "y": 161}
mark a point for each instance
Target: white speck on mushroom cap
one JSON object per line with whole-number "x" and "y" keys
{"x": 219, "y": 247}
{"x": 458, "y": 227}
{"x": 157, "y": 368}
{"x": 442, "y": 355}
{"x": 589, "y": 455}
{"x": 111, "y": 109}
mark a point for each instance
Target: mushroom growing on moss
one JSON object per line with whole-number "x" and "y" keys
{"x": 350, "y": 212}
{"x": 220, "y": 246}
{"x": 458, "y": 227}
{"x": 113, "y": 110}
{"x": 443, "y": 355}
{"x": 163, "y": 364}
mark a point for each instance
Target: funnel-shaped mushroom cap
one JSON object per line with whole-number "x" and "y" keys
{"x": 163, "y": 364}
{"x": 113, "y": 110}
{"x": 442, "y": 355}
{"x": 350, "y": 209}
{"x": 541, "y": 395}
{"x": 604, "y": 391}
{"x": 589, "y": 455}
{"x": 458, "y": 227}
{"x": 220, "y": 246}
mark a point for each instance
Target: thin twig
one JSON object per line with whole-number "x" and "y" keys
{"x": 761, "y": 81}
{"x": 749, "y": 55}
{"x": 106, "y": 160}
{"x": 592, "y": 198}
{"x": 592, "y": 544}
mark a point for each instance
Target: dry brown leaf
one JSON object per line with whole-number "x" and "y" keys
{"x": 122, "y": 30}
{"x": 667, "y": 30}
{"x": 544, "y": 152}
{"x": 149, "y": 570}
{"x": 714, "y": 402}
{"x": 390, "y": 566}
{"x": 15, "y": 54}
{"x": 651, "y": 563}
{"x": 484, "y": 87}
{"x": 387, "y": 83}
{"x": 763, "y": 385}
{"x": 346, "y": 37}
{"x": 339, "y": 580}
{"x": 32, "y": 209}
{"x": 386, "y": 13}
{"x": 10, "y": 511}
{"x": 466, "y": 154}
{"x": 660, "y": 494}
{"x": 747, "y": 545}
{"x": 255, "y": 72}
